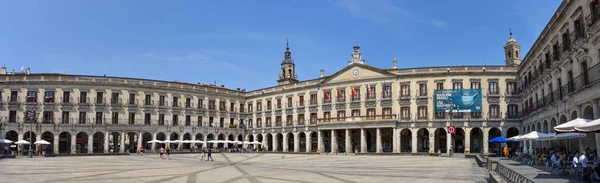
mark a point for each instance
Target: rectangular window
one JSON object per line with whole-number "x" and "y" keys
{"x": 422, "y": 112}
{"x": 175, "y": 101}
{"x": 12, "y": 116}
{"x": 200, "y": 122}
{"x": 222, "y": 106}
{"x": 132, "y": 99}
{"x": 222, "y": 122}
{"x": 115, "y": 118}
{"x": 258, "y": 106}
{"x": 278, "y": 121}
{"x": 114, "y": 98}
{"x": 510, "y": 88}
{"x": 475, "y": 85}
{"x": 405, "y": 113}
{"x": 175, "y": 120}
{"x": 494, "y": 88}
{"x": 355, "y": 112}
{"x": 161, "y": 119}
{"x": 48, "y": 117}
{"x": 14, "y": 96}
{"x": 439, "y": 86}
{"x": 289, "y": 102}
{"x": 148, "y": 100}
{"x": 31, "y": 96}
{"x": 301, "y": 101}
{"x": 250, "y": 123}
{"x": 66, "y": 97}
{"x": 457, "y": 85}
{"x": 387, "y": 111}
{"x": 289, "y": 120}
{"x": 188, "y": 120}
{"x": 476, "y": 115}
{"x": 313, "y": 118}
{"x": 99, "y": 97}
{"x": 422, "y": 89}
{"x": 327, "y": 97}
{"x": 259, "y": 122}
{"x": 82, "y": 117}
{"x": 513, "y": 111}
{"x": 231, "y": 121}
{"x": 494, "y": 111}
{"x": 232, "y": 107}
{"x": 132, "y": 118}
{"x": 387, "y": 91}
{"x": 147, "y": 118}
{"x": 64, "y": 119}
{"x": 341, "y": 114}
{"x": 99, "y": 118}
{"x": 313, "y": 99}
{"x": 405, "y": 90}
{"x": 371, "y": 92}
{"x": 440, "y": 115}
{"x": 250, "y": 108}
{"x": 268, "y": 121}
{"x": 278, "y": 103}
{"x": 188, "y": 102}
{"x": 269, "y": 106}
{"x": 301, "y": 119}
{"x": 242, "y": 108}
{"x": 200, "y": 103}
{"x": 356, "y": 95}
{"x": 161, "y": 100}
{"x": 49, "y": 96}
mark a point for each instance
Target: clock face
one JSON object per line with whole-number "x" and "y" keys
{"x": 355, "y": 72}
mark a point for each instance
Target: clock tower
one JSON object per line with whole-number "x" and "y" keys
{"x": 288, "y": 74}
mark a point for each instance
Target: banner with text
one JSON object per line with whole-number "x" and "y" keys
{"x": 459, "y": 100}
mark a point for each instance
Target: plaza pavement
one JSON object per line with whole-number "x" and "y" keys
{"x": 241, "y": 168}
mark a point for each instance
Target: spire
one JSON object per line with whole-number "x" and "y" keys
{"x": 287, "y": 58}
{"x": 510, "y": 30}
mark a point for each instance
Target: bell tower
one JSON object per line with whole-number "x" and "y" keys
{"x": 288, "y": 69}
{"x": 512, "y": 52}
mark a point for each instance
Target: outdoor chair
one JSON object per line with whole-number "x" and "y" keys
{"x": 554, "y": 167}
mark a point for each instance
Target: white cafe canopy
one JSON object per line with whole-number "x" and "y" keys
{"x": 43, "y": 142}
{"x": 592, "y": 126}
{"x": 5, "y": 141}
{"x": 198, "y": 141}
{"x": 22, "y": 142}
{"x": 534, "y": 135}
{"x": 155, "y": 141}
{"x": 570, "y": 125}
{"x": 568, "y": 135}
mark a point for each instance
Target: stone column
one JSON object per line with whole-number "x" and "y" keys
{"x": 363, "y": 141}
{"x": 275, "y": 143}
{"x": 395, "y": 141}
{"x": 106, "y": 150}
{"x": 73, "y": 144}
{"x": 139, "y": 143}
{"x": 180, "y": 145}
{"x": 193, "y": 145}
{"x": 321, "y": 147}
{"x": 414, "y": 141}
{"x": 486, "y": 137}
{"x": 285, "y": 142}
{"x": 205, "y": 145}
{"x": 334, "y": 145}
{"x": 122, "y": 143}
{"x": 55, "y": 144}
{"x": 448, "y": 142}
{"x": 379, "y": 148}
{"x": 90, "y": 145}
{"x": 530, "y": 146}
{"x": 297, "y": 142}
{"x": 308, "y": 143}
{"x": 467, "y": 147}
{"x": 153, "y": 148}
{"x": 348, "y": 142}
{"x": 432, "y": 141}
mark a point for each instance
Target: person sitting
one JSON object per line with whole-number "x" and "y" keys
{"x": 587, "y": 171}
{"x": 554, "y": 159}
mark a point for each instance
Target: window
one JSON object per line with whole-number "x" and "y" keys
{"x": 387, "y": 111}
{"x": 161, "y": 100}
{"x": 475, "y": 85}
{"x": 231, "y": 121}
{"x": 148, "y": 100}
{"x": 493, "y": 88}
{"x": 422, "y": 89}
{"x": 327, "y": 115}
{"x": 313, "y": 118}
{"x": 48, "y": 117}
{"x": 258, "y": 106}
{"x": 457, "y": 85}
{"x": 289, "y": 102}
{"x": 475, "y": 115}
{"x": 242, "y": 108}
{"x": 161, "y": 119}
{"x": 132, "y": 118}
{"x": 268, "y": 121}
{"x": 278, "y": 121}
{"x": 313, "y": 99}
{"x": 188, "y": 120}
{"x": 259, "y": 122}
{"x": 371, "y": 93}
{"x": 175, "y": 101}
{"x": 494, "y": 111}
{"x": 341, "y": 114}
{"x": 250, "y": 123}
{"x": 222, "y": 106}
{"x": 147, "y": 118}
{"x": 64, "y": 119}
{"x": 200, "y": 104}
{"x": 341, "y": 95}
{"x": 250, "y": 108}
{"x": 82, "y": 117}
{"x": 405, "y": 90}
{"x": 31, "y": 96}
{"x": 99, "y": 97}
{"x": 513, "y": 111}
{"x": 188, "y": 102}
{"x": 269, "y": 106}
{"x": 422, "y": 112}
{"x": 49, "y": 96}
{"x": 510, "y": 88}
{"x": 222, "y": 122}
{"x": 66, "y": 97}
{"x": 405, "y": 113}
{"x": 278, "y": 103}
{"x": 356, "y": 95}
{"x": 301, "y": 101}
{"x": 99, "y": 118}
{"x": 300, "y": 119}
{"x": 132, "y": 99}
{"x": 114, "y": 98}
{"x": 355, "y": 112}
{"x": 211, "y": 105}
{"x": 440, "y": 115}
{"x": 12, "y": 116}
{"x": 370, "y": 112}
{"x": 387, "y": 91}
{"x": 175, "y": 121}
{"x": 327, "y": 97}
{"x": 14, "y": 96}
{"x": 439, "y": 86}
{"x": 200, "y": 122}
{"x": 579, "y": 27}
{"x": 232, "y": 107}
{"x": 115, "y": 118}
{"x": 289, "y": 119}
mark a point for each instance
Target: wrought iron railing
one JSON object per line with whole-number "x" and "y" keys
{"x": 511, "y": 175}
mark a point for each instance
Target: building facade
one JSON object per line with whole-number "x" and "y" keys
{"x": 559, "y": 75}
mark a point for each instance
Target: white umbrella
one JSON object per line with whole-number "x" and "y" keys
{"x": 534, "y": 135}
{"x": 592, "y": 126}
{"x": 570, "y": 125}
{"x": 569, "y": 135}
{"x": 213, "y": 141}
{"x": 255, "y": 142}
{"x": 43, "y": 142}
{"x": 186, "y": 141}
{"x": 22, "y": 142}
{"x": 5, "y": 141}
{"x": 155, "y": 141}
{"x": 168, "y": 141}
{"x": 198, "y": 141}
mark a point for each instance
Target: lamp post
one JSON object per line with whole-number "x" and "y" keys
{"x": 450, "y": 138}
{"x": 243, "y": 127}
{"x": 32, "y": 117}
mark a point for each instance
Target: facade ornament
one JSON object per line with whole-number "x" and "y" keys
{"x": 356, "y": 56}
{"x": 395, "y": 63}
{"x": 322, "y": 73}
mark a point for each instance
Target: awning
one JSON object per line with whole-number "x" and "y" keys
{"x": 570, "y": 126}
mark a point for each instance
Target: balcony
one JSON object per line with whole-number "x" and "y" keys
{"x": 404, "y": 96}
{"x": 313, "y": 103}
{"x": 326, "y": 100}
{"x": 31, "y": 99}
{"x": 592, "y": 19}
{"x": 355, "y": 99}
{"x": 566, "y": 49}
{"x": 422, "y": 94}
{"x": 495, "y": 116}
{"x": 289, "y": 123}
{"x": 340, "y": 100}
{"x": 493, "y": 93}
{"x": 386, "y": 96}
{"x": 371, "y": 97}
{"x": 375, "y": 118}
{"x": 116, "y": 103}
{"x": 132, "y": 103}
{"x": 578, "y": 37}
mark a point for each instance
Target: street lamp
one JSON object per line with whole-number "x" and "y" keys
{"x": 32, "y": 117}
{"x": 450, "y": 138}
{"x": 243, "y": 127}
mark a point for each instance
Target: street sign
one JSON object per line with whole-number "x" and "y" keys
{"x": 452, "y": 130}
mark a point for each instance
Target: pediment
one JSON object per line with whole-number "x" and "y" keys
{"x": 356, "y": 72}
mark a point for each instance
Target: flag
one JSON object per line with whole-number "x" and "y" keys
{"x": 353, "y": 91}
{"x": 340, "y": 93}
{"x": 385, "y": 91}
{"x": 325, "y": 94}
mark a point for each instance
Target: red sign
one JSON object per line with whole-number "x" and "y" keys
{"x": 452, "y": 130}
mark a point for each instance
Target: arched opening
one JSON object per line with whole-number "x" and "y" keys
{"x": 145, "y": 138}
{"x": 187, "y": 146}
{"x": 114, "y": 142}
{"x": 259, "y": 138}
{"x": 131, "y": 142}
{"x": 512, "y": 131}
{"x": 173, "y": 137}
{"x": 588, "y": 112}
{"x": 210, "y": 137}
{"x": 49, "y": 137}
{"x": 573, "y": 115}
{"x": 355, "y": 140}
{"x": 290, "y": 142}
{"x": 563, "y": 119}
{"x": 199, "y": 137}
{"x": 386, "y": 139}
{"x": 81, "y": 142}
{"x": 545, "y": 126}
{"x": 440, "y": 140}
{"x": 314, "y": 141}
{"x": 12, "y": 136}
{"x": 476, "y": 140}
{"x": 240, "y": 138}
{"x": 302, "y": 141}
{"x": 98, "y": 146}
{"x": 495, "y": 147}
{"x": 29, "y": 136}
{"x": 423, "y": 140}
{"x": 230, "y": 138}
{"x": 269, "y": 142}
{"x": 64, "y": 142}
{"x": 458, "y": 140}
{"x": 406, "y": 140}
{"x": 552, "y": 125}
{"x": 279, "y": 142}
{"x": 220, "y": 137}
{"x": 538, "y": 127}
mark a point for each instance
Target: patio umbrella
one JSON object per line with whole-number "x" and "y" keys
{"x": 168, "y": 141}
{"x": 534, "y": 135}
{"x": 592, "y": 126}
{"x": 570, "y": 125}
{"x": 500, "y": 139}
{"x": 22, "y": 142}
{"x": 155, "y": 141}
{"x": 43, "y": 142}
{"x": 568, "y": 136}
{"x": 186, "y": 141}
{"x": 5, "y": 141}
{"x": 198, "y": 141}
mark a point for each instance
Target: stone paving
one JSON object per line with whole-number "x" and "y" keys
{"x": 238, "y": 168}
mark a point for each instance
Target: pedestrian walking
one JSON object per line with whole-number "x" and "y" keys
{"x": 141, "y": 150}
{"x": 161, "y": 151}
{"x": 168, "y": 152}
{"x": 209, "y": 154}
{"x": 203, "y": 155}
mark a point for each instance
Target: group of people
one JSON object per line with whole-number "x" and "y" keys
{"x": 563, "y": 159}
{"x": 166, "y": 152}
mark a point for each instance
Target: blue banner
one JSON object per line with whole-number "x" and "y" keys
{"x": 459, "y": 100}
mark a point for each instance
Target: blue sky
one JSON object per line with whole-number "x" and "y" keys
{"x": 241, "y": 43}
